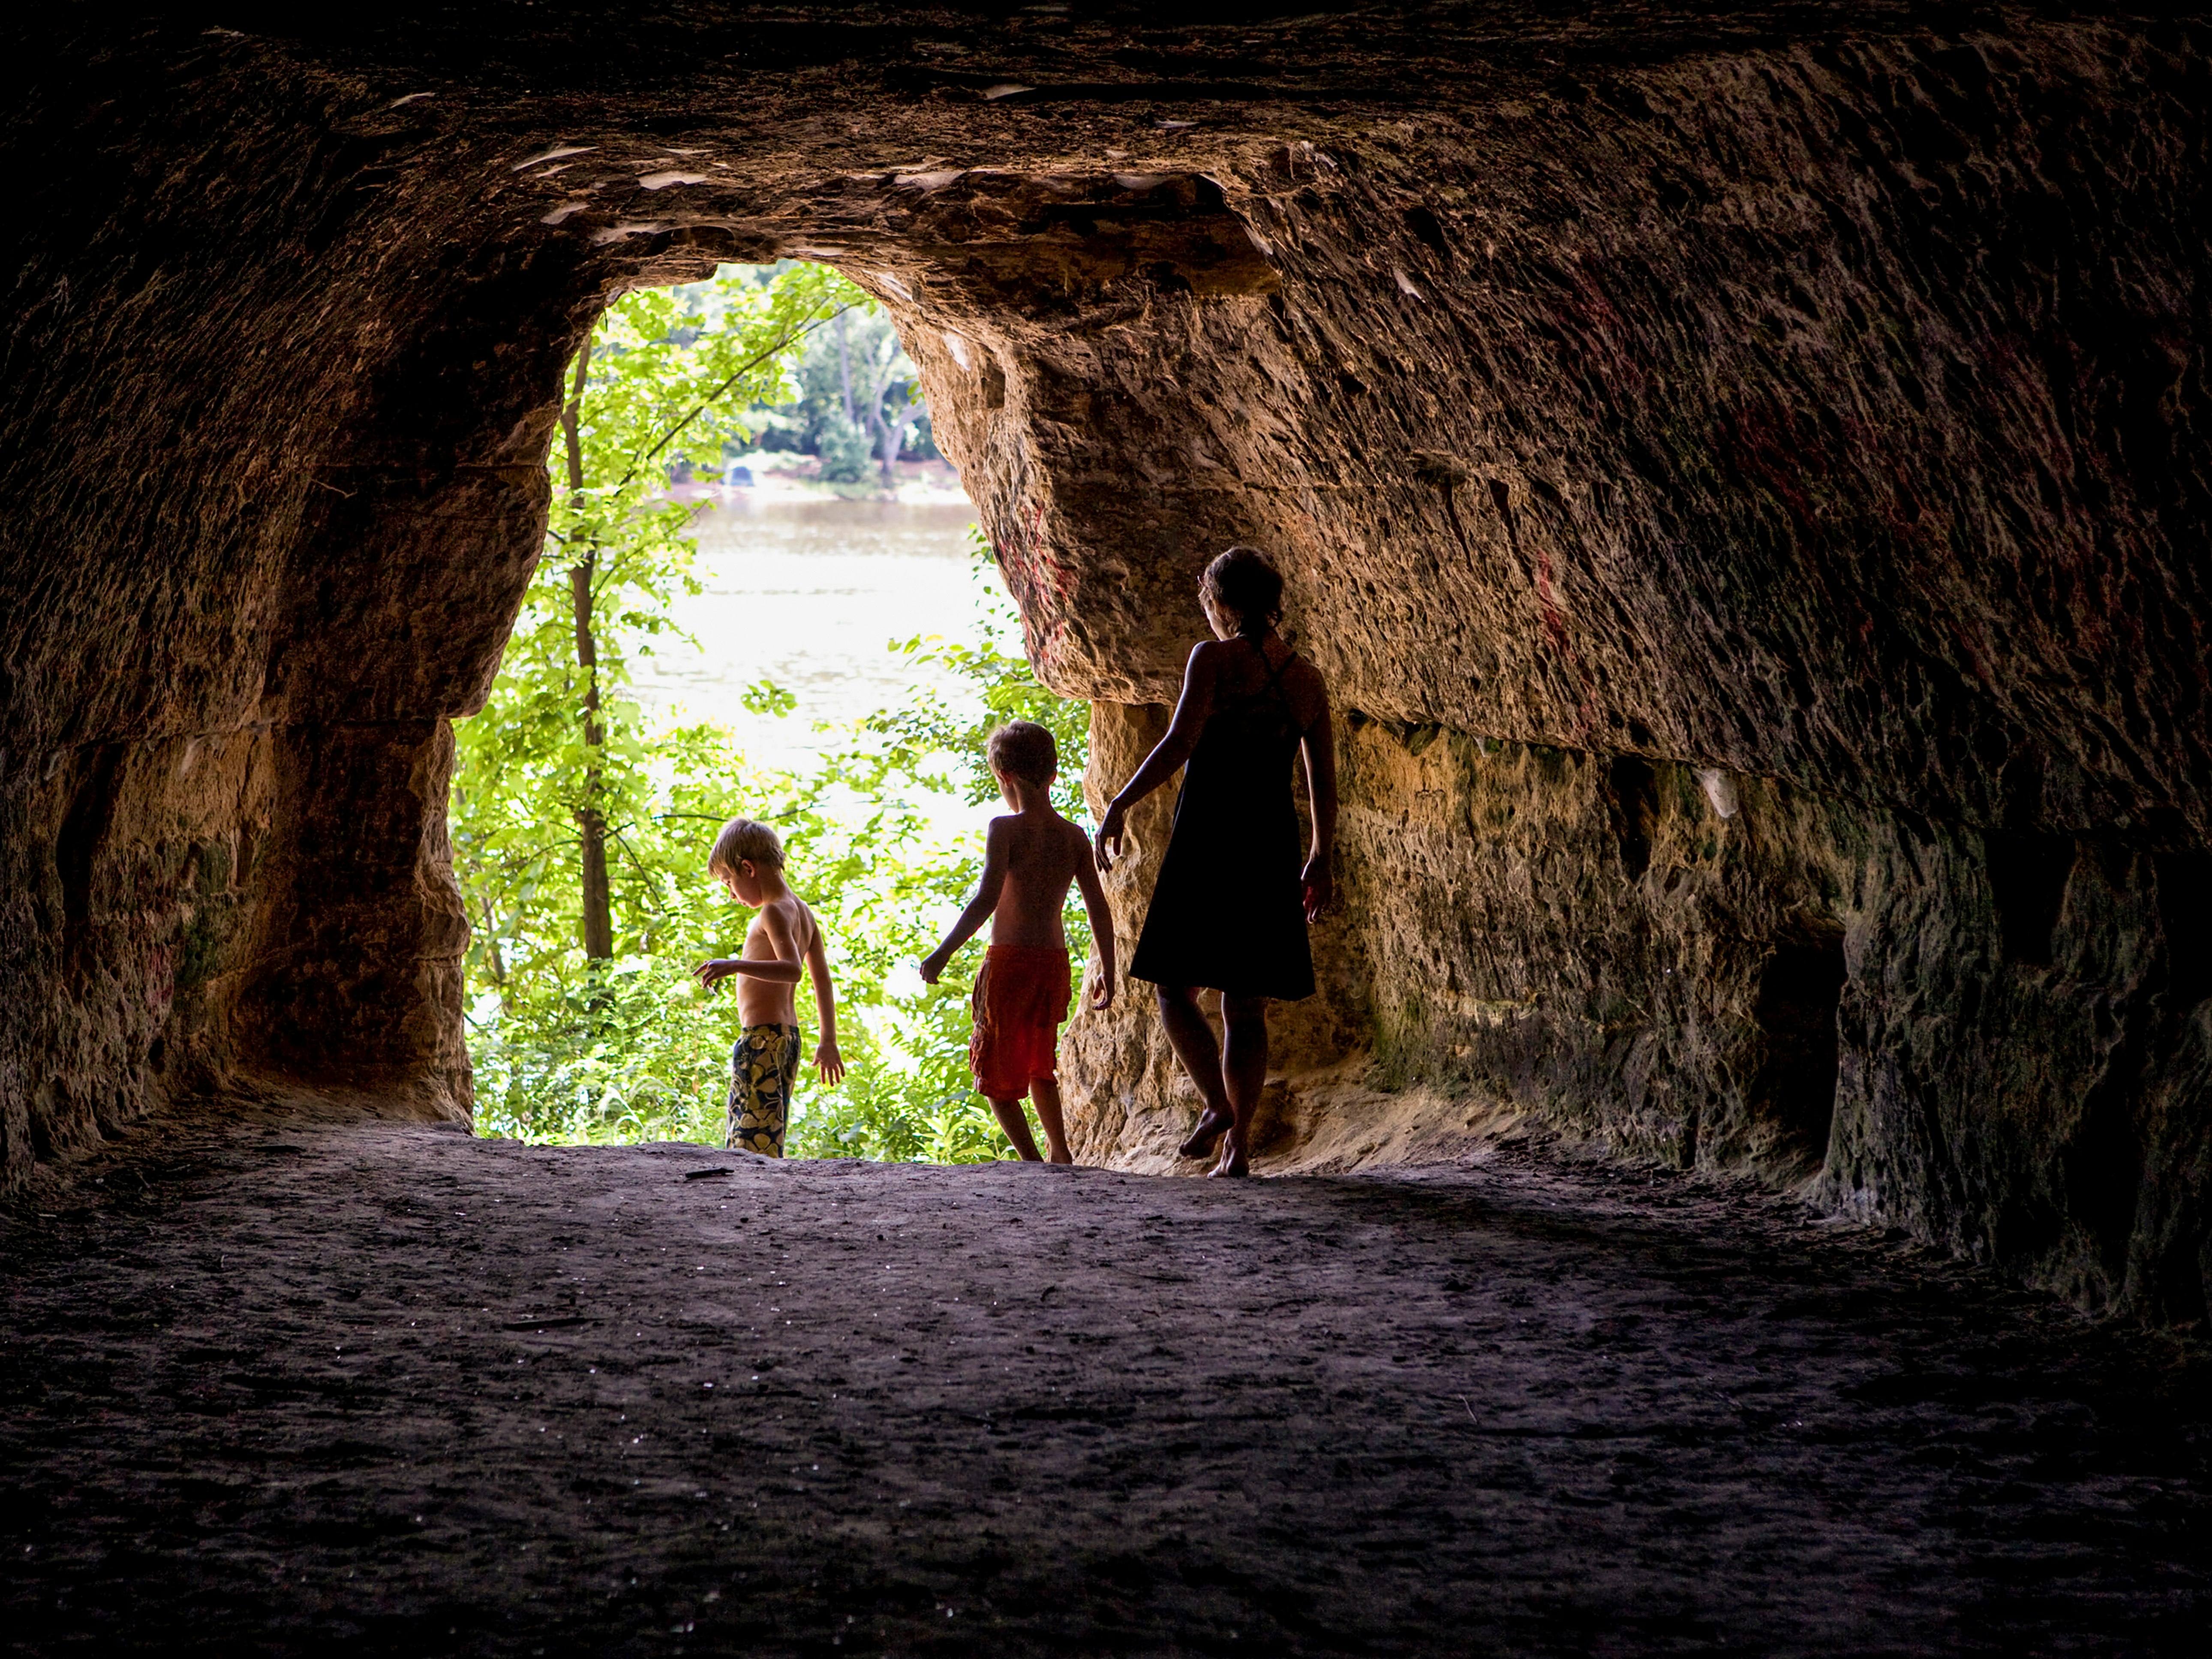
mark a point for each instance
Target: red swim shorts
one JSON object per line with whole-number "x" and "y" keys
{"x": 1021, "y": 997}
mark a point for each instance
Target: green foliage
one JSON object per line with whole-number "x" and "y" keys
{"x": 897, "y": 894}
{"x": 847, "y": 456}
{"x": 615, "y": 1055}
{"x": 853, "y": 395}
{"x": 931, "y": 743}
{"x": 767, "y": 697}
{"x": 538, "y": 760}
{"x": 571, "y": 1050}
{"x": 660, "y": 385}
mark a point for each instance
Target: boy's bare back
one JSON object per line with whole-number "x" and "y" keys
{"x": 1030, "y": 855}
{"x": 1041, "y": 854}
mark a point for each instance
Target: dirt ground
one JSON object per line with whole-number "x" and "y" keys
{"x": 383, "y": 1390}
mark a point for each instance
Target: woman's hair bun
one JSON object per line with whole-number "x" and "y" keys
{"x": 1242, "y": 582}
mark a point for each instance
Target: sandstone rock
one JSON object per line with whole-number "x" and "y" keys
{"x": 1817, "y": 992}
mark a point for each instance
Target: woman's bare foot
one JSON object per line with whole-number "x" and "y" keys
{"x": 1200, "y": 1143}
{"x": 1233, "y": 1161}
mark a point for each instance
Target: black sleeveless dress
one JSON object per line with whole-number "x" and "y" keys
{"x": 1228, "y": 912}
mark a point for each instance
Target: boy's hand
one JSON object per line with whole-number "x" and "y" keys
{"x": 713, "y": 972}
{"x": 1320, "y": 886}
{"x": 1101, "y": 992}
{"x": 828, "y": 1063}
{"x": 933, "y": 965}
{"x": 1109, "y": 836}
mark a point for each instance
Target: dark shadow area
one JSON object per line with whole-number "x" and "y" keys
{"x": 1632, "y": 804}
{"x": 2184, "y": 910}
{"x": 401, "y": 1391}
{"x": 2027, "y": 880}
{"x": 1794, "y": 1090}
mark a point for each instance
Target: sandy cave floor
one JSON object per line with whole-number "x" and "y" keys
{"x": 267, "y": 1389}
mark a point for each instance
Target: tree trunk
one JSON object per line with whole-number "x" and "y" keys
{"x": 598, "y": 904}
{"x": 893, "y": 440}
{"x": 845, "y": 371}
{"x": 888, "y": 437}
{"x": 591, "y": 825}
{"x": 491, "y": 944}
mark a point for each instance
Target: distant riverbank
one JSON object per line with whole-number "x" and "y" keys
{"x": 778, "y": 476}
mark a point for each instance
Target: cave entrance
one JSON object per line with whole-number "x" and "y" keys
{"x": 765, "y": 595}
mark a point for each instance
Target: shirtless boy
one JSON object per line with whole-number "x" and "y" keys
{"x": 1021, "y": 996}
{"x": 747, "y": 860}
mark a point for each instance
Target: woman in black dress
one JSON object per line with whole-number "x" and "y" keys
{"x": 1230, "y": 907}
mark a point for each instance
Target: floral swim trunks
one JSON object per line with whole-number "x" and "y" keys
{"x": 763, "y": 1066}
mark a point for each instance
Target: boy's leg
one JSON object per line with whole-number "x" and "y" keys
{"x": 1044, "y": 1092}
{"x": 1192, "y": 1039}
{"x": 1244, "y": 1073}
{"x": 778, "y": 1103}
{"x": 1016, "y": 1122}
{"x": 733, "y": 1108}
{"x": 743, "y": 1127}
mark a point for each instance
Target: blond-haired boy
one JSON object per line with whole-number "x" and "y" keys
{"x": 1021, "y": 995}
{"x": 747, "y": 858}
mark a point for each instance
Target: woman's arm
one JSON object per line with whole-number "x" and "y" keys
{"x": 1192, "y": 708}
{"x": 1319, "y": 745}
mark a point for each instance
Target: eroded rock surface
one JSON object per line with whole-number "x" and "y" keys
{"x": 1722, "y": 972}
{"x": 1745, "y": 483}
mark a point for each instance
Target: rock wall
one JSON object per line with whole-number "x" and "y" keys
{"x": 2001, "y": 1043}
{"x": 1807, "y": 425}
{"x": 1747, "y": 490}
{"x": 1814, "y": 414}
{"x": 276, "y": 486}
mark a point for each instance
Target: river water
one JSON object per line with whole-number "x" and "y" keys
{"x": 808, "y": 593}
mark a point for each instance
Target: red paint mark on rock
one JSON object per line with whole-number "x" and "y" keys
{"x": 1555, "y": 619}
{"x": 1042, "y": 589}
{"x": 161, "y": 979}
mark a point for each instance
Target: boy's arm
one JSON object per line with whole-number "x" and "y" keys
{"x": 827, "y": 1060}
{"x": 1102, "y": 924}
{"x": 781, "y": 968}
{"x": 979, "y": 908}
